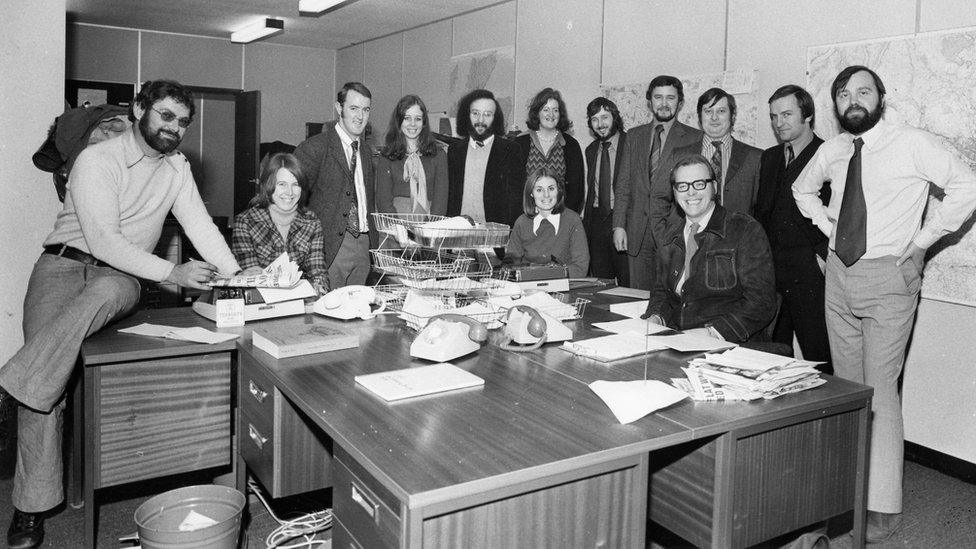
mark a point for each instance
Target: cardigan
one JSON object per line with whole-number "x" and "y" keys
{"x": 568, "y": 247}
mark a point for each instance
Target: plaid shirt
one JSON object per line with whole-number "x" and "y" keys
{"x": 256, "y": 242}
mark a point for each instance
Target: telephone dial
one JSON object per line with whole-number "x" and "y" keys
{"x": 527, "y": 329}
{"x": 350, "y": 302}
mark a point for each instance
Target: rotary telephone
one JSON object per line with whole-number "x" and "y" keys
{"x": 350, "y": 302}
{"x": 448, "y": 336}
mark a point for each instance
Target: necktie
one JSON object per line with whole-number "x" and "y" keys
{"x": 852, "y": 221}
{"x": 691, "y": 247}
{"x": 790, "y": 157}
{"x": 605, "y": 181}
{"x": 479, "y": 143}
{"x": 717, "y": 166}
{"x": 545, "y": 229}
{"x": 656, "y": 149}
{"x": 353, "y": 219}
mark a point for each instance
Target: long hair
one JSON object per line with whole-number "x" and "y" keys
{"x": 528, "y": 201}
{"x": 464, "y": 116}
{"x": 157, "y": 90}
{"x": 267, "y": 181}
{"x": 603, "y": 103}
{"x": 396, "y": 143}
{"x": 540, "y": 101}
{"x": 712, "y": 96}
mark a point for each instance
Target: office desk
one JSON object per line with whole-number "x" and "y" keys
{"x": 535, "y": 459}
{"x": 149, "y": 407}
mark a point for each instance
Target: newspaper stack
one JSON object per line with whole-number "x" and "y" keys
{"x": 746, "y": 374}
{"x": 282, "y": 273}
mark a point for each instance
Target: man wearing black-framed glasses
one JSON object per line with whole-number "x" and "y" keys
{"x": 715, "y": 273}
{"x": 119, "y": 193}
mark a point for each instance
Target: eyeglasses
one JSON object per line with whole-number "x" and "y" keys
{"x": 698, "y": 185}
{"x": 169, "y": 117}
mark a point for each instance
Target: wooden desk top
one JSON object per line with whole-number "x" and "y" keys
{"x": 535, "y": 411}
{"x": 108, "y": 345}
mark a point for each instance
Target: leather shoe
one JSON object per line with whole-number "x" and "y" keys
{"x": 881, "y": 526}
{"x": 26, "y": 530}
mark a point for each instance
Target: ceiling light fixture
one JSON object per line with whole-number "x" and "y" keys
{"x": 262, "y": 28}
{"x": 316, "y": 6}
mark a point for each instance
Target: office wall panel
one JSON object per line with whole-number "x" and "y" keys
{"x": 492, "y": 27}
{"x": 558, "y": 45}
{"x": 773, "y": 36}
{"x": 192, "y": 60}
{"x": 296, "y": 87}
{"x": 349, "y": 65}
{"x": 102, "y": 53}
{"x": 643, "y": 38}
{"x": 946, "y": 14}
{"x": 427, "y": 65}
{"x": 384, "y": 77}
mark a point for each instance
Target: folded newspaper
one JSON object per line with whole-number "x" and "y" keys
{"x": 746, "y": 374}
{"x": 282, "y": 273}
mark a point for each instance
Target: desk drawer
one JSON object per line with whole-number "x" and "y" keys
{"x": 368, "y": 521}
{"x": 342, "y": 539}
{"x": 281, "y": 448}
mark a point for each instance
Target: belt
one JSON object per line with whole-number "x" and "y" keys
{"x": 68, "y": 252}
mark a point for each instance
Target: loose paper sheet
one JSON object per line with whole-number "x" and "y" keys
{"x": 196, "y": 334}
{"x": 633, "y": 325}
{"x": 686, "y": 343}
{"x": 627, "y": 292}
{"x": 632, "y": 309}
{"x": 632, "y": 400}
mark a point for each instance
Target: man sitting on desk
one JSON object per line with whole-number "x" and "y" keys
{"x": 119, "y": 193}
{"x": 715, "y": 271}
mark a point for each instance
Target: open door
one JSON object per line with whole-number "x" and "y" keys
{"x": 247, "y": 139}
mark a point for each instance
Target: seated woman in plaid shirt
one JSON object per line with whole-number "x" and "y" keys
{"x": 278, "y": 221}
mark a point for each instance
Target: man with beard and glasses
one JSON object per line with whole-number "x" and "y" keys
{"x": 879, "y": 174}
{"x": 603, "y": 157}
{"x": 119, "y": 193}
{"x": 486, "y": 172}
{"x": 648, "y": 148}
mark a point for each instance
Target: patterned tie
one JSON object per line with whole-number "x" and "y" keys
{"x": 717, "y": 166}
{"x": 353, "y": 219}
{"x": 790, "y": 157}
{"x": 691, "y": 247}
{"x": 656, "y": 149}
{"x": 852, "y": 221}
{"x": 605, "y": 181}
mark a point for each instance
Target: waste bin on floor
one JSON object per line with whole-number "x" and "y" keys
{"x": 210, "y": 515}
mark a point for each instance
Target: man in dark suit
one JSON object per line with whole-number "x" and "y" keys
{"x": 799, "y": 247}
{"x": 486, "y": 172}
{"x": 648, "y": 148}
{"x": 603, "y": 157}
{"x": 341, "y": 176}
{"x": 736, "y": 164}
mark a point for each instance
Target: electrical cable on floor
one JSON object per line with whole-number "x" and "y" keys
{"x": 305, "y": 527}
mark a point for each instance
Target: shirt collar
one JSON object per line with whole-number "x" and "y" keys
{"x": 343, "y": 135}
{"x": 132, "y": 153}
{"x": 553, "y": 219}
{"x": 667, "y": 125}
{"x": 872, "y": 136}
{"x": 472, "y": 143}
{"x": 800, "y": 144}
{"x": 703, "y": 222}
{"x": 726, "y": 141}
{"x": 613, "y": 139}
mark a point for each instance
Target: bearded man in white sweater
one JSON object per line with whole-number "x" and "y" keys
{"x": 119, "y": 193}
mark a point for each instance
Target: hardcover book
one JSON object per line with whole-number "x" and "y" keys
{"x": 288, "y": 340}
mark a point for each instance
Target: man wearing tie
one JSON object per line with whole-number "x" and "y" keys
{"x": 338, "y": 165}
{"x": 880, "y": 175}
{"x": 648, "y": 148}
{"x": 736, "y": 164}
{"x": 603, "y": 155}
{"x": 799, "y": 248}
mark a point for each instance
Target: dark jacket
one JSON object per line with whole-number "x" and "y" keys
{"x": 504, "y": 180}
{"x": 592, "y": 150}
{"x": 573, "y": 156}
{"x": 776, "y": 209}
{"x": 327, "y": 171}
{"x": 390, "y": 183}
{"x": 731, "y": 286}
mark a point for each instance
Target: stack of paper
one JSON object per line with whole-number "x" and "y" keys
{"x": 747, "y": 374}
{"x": 196, "y": 334}
{"x": 282, "y": 273}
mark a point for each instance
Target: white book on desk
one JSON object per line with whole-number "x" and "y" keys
{"x": 413, "y": 382}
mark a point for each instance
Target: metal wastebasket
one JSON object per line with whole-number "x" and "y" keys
{"x": 159, "y": 518}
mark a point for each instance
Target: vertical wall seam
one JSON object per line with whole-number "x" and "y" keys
{"x": 515, "y": 65}
{"x": 725, "y": 48}
{"x": 138, "y": 59}
{"x": 918, "y": 16}
{"x": 603, "y": 36}
{"x": 243, "y": 61}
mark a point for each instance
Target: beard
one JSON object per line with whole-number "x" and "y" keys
{"x": 480, "y": 132}
{"x": 611, "y": 133}
{"x": 857, "y": 120}
{"x": 664, "y": 115}
{"x": 156, "y": 139}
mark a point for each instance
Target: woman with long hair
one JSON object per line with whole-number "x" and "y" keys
{"x": 411, "y": 172}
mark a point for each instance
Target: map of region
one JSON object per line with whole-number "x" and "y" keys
{"x": 489, "y": 69}
{"x": 630, "y": 99}
{"x": 930, "y": 80}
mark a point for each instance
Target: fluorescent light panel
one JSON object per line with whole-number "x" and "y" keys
{"x": 262, "y": 28}
{"x": 316, "y": 6}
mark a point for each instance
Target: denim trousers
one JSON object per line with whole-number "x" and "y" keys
{"x": 66, "y": 302}
{"x": 870, "y": 310}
